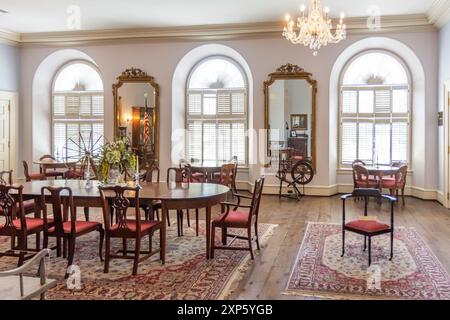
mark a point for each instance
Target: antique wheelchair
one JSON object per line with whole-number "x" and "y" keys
{"x": 295, "y": 172}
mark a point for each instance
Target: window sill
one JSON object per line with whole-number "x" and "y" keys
{"x": 349, "y": 171}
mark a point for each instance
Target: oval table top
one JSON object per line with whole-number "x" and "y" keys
{"x": 149, "y": 191}
{"x": 382, "y": 170}
{"x": 51, "y": 162}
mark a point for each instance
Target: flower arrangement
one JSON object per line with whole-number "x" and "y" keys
{"x": 115, "y": 157}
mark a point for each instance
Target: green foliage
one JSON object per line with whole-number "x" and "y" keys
{"x": 116, "y": 154}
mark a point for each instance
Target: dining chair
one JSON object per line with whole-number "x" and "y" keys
{"x": 239, "y": 220}
{"x": 153, "y": 207}
{"x": 17, "y": 225}
{"x": 181, "y": 175}
{"x": 396, "y": 183}
{"x": 368, "y": 227}
{"x": 31, "y": 176}
{"x": 361, "y": 178}
{"x": 125, "y": 228}
{"x": 66, "y": 225}
{"x": 6, "y": 177}
{"x": 50, "y": 173}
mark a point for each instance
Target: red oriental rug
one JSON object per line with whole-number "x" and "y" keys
{"x": 320, "y": 271}
{"x": 186, "y": 275}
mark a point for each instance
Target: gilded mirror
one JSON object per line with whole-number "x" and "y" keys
{"x": 136, "y": 109}
{"x": 290, "y": 113}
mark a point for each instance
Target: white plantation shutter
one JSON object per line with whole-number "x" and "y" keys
{"x": 374, "y": 124}
{"x": 216, "y": 121}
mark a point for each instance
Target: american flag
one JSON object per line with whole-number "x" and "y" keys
{"x": 146, "y": 128}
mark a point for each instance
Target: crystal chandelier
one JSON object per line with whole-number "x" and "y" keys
{"x": 314, "y": 31}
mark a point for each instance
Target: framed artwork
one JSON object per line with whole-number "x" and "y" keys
{"x": 299, "y": 121}
{"x": 293, "y": 133}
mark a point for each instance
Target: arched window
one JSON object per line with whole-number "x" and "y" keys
{"x": 375, "y": 110}
{"x": 77, "y": 109}
{"x": 216, "y": 112}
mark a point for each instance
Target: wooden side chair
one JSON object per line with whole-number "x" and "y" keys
{"x": 17, "y": 225}
{"x": 31, "y": 176}
{"x": 368, "y": 228}
{"x": 240, "y": 220}
{"x": 63, "y": 228}
{"x": 361, "y": 178}
{"x": 6, "y": 177}
{"x": 396, "y": 183}
{"x": 152, "y": 176}
{"x": 50, "y": 173}
{"x": 181, "y": 175}
{"x": 126, "y": 228}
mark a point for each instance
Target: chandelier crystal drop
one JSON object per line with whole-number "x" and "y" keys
{"x": 315, "y": 30}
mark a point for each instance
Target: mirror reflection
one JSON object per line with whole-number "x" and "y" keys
{"x": 290, "y": 118}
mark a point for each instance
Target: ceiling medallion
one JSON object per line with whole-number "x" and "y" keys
{"x": 315, "y": 30}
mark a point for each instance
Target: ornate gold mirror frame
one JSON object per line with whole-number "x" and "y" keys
{"x": 136, "y": 75}
{"x": 290, "y": 72}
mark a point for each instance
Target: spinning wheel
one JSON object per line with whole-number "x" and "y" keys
{"x": 83, "y": 149}
{"x": 300, "y": 171}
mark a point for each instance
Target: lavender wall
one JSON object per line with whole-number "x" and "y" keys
{"x": 160, "y": 58}
{"x": 444, "y": 75}
{"x": 9, "y": 68}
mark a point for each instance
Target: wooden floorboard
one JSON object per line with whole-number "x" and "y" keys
{"x": 269, "y": 273}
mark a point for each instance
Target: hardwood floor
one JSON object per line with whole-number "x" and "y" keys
{"x": 270, "y": 271}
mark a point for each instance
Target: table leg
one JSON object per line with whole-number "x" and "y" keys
{"x": 163, "y": 235}
{"x": 208, "y": 232}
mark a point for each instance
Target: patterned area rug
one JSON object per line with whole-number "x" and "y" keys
{"x": 186, "y": 275}
{"x": 320, "y": 271}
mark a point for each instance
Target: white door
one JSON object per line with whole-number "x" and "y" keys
{"x": 5, "y": 107}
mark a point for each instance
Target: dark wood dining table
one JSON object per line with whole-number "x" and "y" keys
{"x": 184, "y": 195}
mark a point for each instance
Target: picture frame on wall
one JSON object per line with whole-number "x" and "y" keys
{"x": 299, "y": 122}
{"x": 293, "y": 133}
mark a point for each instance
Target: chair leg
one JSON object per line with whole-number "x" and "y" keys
{"x": 161, "y": 242}
{"x": 38, "y": 241}
{"x": 196, "y": 222}
{"x": 257, "y": 236}
{"x": 249, "y": 232}
{"x": 343, "y": 242}
{"x": 137, "y": 250}
{"x": 224, "y": 236}
{"x": 45, "y": 241}
{"x": 21, "y": 244}
{"x": 365, "y": 243}
{"x": 213, "y": 240}
{"x": 157, "y": 215}
{"x": 150, "y": 235}
{"x": 188, "y": 218}
{"x": 86, "y": 213}
{"x": 71, "y": 254}
{"x": 58, "y": 246}
{"x": 392, "y": 245}
{"x": 370, "y": 251}
{"x": 181, "y": 223}
{"x": 168, "y": 218}
{"x": 13, "y": 242}
{"x": 403, "y": 196}
{"x": 178, "y": 223}
{"x": 124, "y": 246}
{"x": 107, "y": 250}
{"x": 100, "y": 248}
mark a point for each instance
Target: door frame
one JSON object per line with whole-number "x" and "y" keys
{"x": 446, "y": 115}
{"x": 13, "y": 130}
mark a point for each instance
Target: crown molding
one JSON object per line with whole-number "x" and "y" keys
{"x": 398, "y": 23}
{"x": 9, "y": 37}
{"x": 439, "y": 13}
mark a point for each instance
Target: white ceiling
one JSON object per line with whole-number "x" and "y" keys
{"x": 27, "y": 16}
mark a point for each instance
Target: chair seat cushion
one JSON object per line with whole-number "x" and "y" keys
{"x": 367, "y": 184}
{"x": 146, "y": 226}
{"x": 54, "y": 173}
{"x": 33, "y": 224}
{"x": 392, "y": 184}
{"x": 80, "y": 226}
{"x": 367, "y": 226}
{"x": 36, "y": 176}
{"x": 237, "y": 219}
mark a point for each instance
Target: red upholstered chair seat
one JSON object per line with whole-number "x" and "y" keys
{"x": 33, "y": 224}
{"x": 36, "y": 176}
{"x": 237, "y": 219}
{"x": 297, "y": 158}
{"x": 367, "y": 184}
{"x": 80, "y": 226}
{"x": 367, "y": 226}
{"x": 198, "y": 177}
{"x": 131, "y": 226}
{"x": 54, "y": 173}
{"x": 392, "y": 184}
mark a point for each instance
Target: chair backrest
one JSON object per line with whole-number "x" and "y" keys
{"x": 257, "y": 194}
{"x": 357, "y": 161}
{"x": 400, "y": 175}
{"x": 227, "y": 174}
{"x": 9, "y": 208}
{"x": 26, "y": 171}
{"x": 118, "y": 197}
{"x": 6, "y": 177}
{"x": 360, "y": 173}
{"x": 152, "y": 174}
{"x": 55, "y": 194}
{"x": 179, "y": 175}
{"x": 47, "y": 156}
